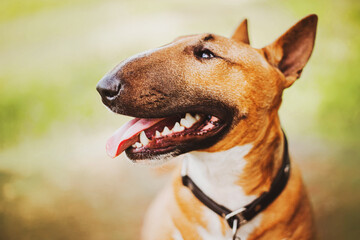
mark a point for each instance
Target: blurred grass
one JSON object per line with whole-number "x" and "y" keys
{"x": 30, "y": 109}
{"x": 12, "y": 9}
{"x": 53, "y": 184}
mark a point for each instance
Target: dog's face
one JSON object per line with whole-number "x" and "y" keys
{"x": 201, "y": 92}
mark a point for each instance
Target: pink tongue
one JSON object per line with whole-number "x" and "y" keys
{"x": 126, "y": 136}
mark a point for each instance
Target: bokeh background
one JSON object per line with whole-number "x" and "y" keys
{"x": 56, "y": 181}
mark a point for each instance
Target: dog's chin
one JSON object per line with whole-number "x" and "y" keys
{"x": 152, "y": 160}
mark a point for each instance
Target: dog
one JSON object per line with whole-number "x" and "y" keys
{"x": 215, "y": 100}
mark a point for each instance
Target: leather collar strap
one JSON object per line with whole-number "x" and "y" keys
{"x": 239, "y": 217}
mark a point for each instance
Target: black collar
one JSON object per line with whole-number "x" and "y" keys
{"x": 239, "y": 217}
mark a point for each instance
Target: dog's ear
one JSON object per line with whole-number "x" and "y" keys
{"x": 241, "y": 33}
{"x": 290, "y": 52}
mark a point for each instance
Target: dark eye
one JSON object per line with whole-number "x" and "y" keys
{"x": 204, "y": 53}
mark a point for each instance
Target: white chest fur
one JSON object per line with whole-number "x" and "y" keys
{"x": 216, "y": 175}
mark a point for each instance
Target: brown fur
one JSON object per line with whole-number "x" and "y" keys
{"x": 289, "y": 217}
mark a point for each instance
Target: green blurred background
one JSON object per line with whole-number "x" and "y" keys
{"x": 56, "y": 181}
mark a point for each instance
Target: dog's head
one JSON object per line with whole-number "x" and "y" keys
{"x": 202, "y": 92}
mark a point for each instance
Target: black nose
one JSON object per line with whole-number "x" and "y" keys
{"x": 109, "y": 86}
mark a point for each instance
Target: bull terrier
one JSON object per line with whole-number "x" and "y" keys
{"x": 215, "y": 101}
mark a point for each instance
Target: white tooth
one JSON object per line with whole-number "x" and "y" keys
{"x": 185, "y": 123}
{"x": 197, "y": 117}
{"x": 134, "y": 145}
{"x": 190, "y": 119}
{"x": 137, "y": 144}
{"x": 157, "y": 134}
{"x": 188, "y": 116}
{"x": 178, "y": 128}
{"x": 166, "y": 131}
{"x": 143, "y": 139}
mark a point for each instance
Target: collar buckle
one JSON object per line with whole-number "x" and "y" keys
{"x": 236, "y": 219}
{"x": 238, "y": 215}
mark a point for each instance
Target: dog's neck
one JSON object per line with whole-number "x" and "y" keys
{"x": 235, "y": 177}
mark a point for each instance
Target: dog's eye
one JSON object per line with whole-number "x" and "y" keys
{"x": 205, "y": 54}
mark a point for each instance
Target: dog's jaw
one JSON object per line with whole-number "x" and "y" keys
{"x": 155, "y": 161}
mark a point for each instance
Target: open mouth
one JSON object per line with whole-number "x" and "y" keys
{"x": 146, "y": 138}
